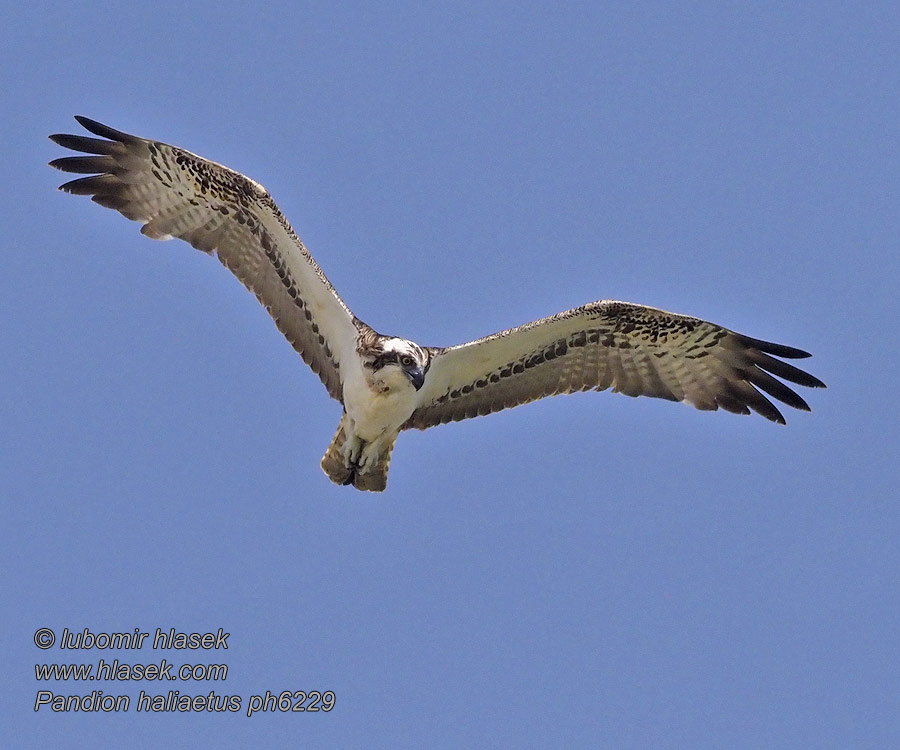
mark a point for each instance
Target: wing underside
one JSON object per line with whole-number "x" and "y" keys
{"x": 175, "y": 193}
{"x": 635, "y": 350}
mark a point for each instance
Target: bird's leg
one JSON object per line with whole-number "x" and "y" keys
{"x": 369, "y": 456}
{"x": 351, "y": 450}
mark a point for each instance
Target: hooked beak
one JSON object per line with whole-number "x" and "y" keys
{"x": 416, "y": 377}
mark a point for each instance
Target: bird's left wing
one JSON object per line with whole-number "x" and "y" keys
{"x": 635, "y": 350}
{"x": 178, "y": 194}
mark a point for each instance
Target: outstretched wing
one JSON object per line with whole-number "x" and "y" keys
{"x": 635, "y": 350}
{"x": 178, "y": 194}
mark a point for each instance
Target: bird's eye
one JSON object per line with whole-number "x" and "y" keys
{"x": 406, "y": 361}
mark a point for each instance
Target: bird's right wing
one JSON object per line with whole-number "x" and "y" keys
{"x": 178, "y": 194}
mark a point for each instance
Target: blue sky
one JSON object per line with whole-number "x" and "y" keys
{"x": 588, "y": 571}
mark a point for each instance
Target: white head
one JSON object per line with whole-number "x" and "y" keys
{"x": 395, "y": 363}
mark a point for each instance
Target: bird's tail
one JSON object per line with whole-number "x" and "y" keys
{"x": 374, "y": 480}
{"x": 333, "y": 461}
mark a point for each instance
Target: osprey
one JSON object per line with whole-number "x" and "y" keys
{"x": 387, "y": 384}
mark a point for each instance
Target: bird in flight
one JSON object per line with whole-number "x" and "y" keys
{"x": 386, "y": 383}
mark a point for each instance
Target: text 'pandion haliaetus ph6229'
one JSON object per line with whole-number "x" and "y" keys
{"x": 387, "y": 384}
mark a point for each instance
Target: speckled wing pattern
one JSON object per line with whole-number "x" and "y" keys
{"x": 178, "y": 194}
{"x": 635, "y": 350}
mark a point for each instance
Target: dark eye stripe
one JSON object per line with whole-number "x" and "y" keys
{"x": 388, "y": 358}
{"x": 385, "y": 359}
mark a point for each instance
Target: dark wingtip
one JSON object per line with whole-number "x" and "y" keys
{"x": 98, "y": 128}
{"x": 88, "y": 185}
{"x": 788, "y": 352}
{"x": 772, "y": 413}
{"x": 87, "y": 145}
{"x": 85, "y": 164}
{"x": 89, "y": 124}
{"x": 779, "y": 350}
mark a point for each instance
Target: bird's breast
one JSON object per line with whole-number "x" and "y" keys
{"x": 378, "y": 407}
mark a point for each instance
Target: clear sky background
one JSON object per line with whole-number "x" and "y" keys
{"x": 588, "y": 571}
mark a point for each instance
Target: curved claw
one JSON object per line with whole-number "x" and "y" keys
{"x": 351, "y": 450}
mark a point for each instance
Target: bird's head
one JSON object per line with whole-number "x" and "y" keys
{"x": 395, "y": 363}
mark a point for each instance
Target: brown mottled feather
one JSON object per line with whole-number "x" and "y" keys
{"x": 178, "y": 194}
{"x": 636, "y": 350}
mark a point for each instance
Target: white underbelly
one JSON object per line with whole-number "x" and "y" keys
{"x": 375, "y": 414}
{"x": 383, "y": 414}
